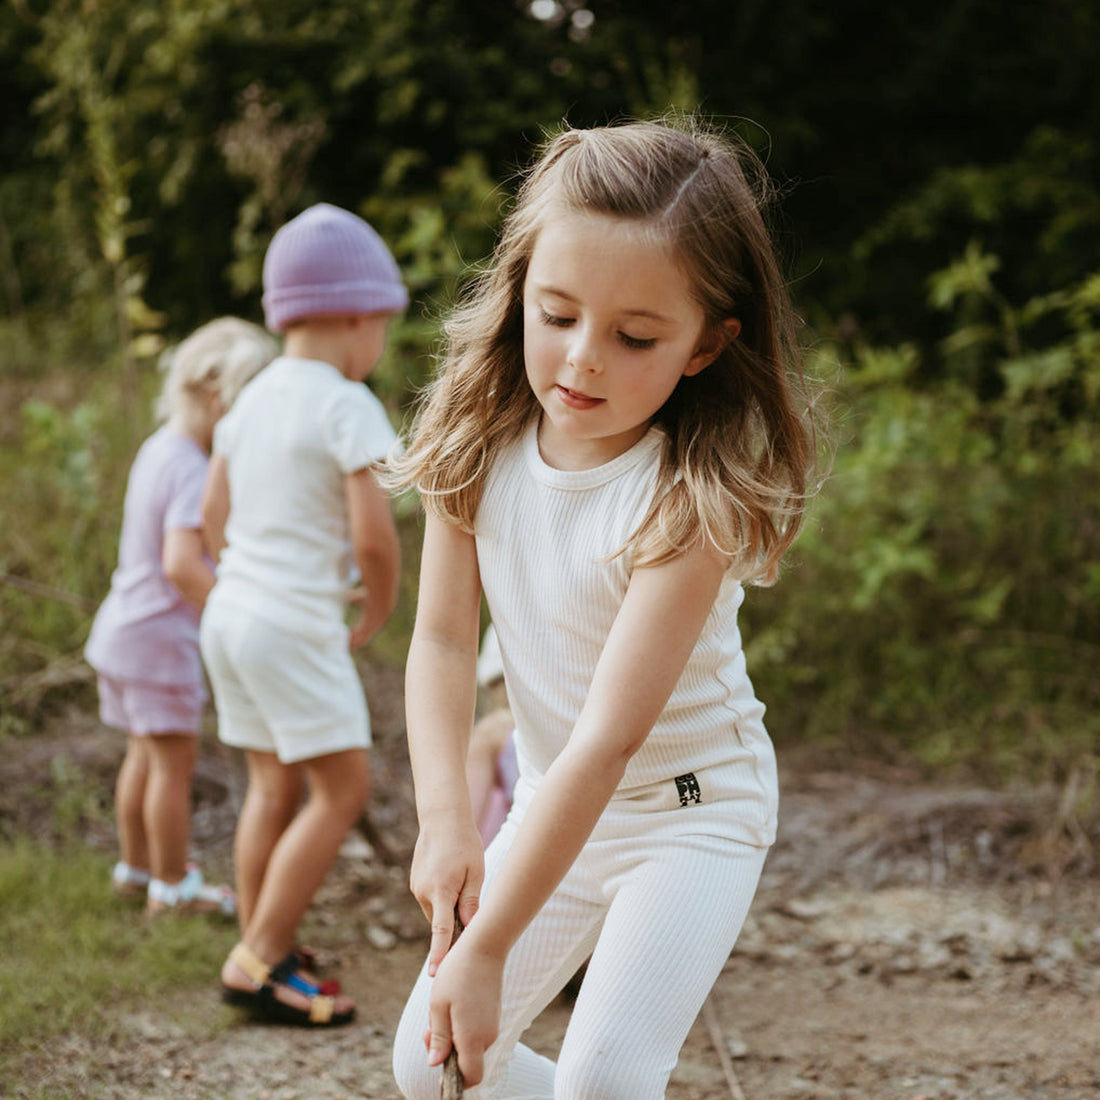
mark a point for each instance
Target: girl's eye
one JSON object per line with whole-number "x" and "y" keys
{"x": 635, "y": 342}
{"x": 550, "y": 319}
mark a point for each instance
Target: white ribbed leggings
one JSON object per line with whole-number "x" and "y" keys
{"x": 657, "y": 897}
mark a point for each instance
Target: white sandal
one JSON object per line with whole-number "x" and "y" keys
{"x": 192, "y": 894}
{"x": 129, "y": 882}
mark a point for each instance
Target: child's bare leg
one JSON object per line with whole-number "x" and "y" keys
{"x": 301, "y": 859}
{"x": 273, "y": 797}
{"x": 167, "y": 814}
{"x": 338, "y": 786}
{"x": 133, "y": 845}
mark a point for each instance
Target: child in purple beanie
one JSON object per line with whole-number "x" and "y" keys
{"x": 144, "y": 643}
{"x": 303, "y": 530}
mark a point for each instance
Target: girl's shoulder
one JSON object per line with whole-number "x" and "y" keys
{"x": 169, "y": 450}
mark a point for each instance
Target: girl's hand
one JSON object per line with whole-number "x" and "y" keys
{"x": 465, "y": 1008}
{"x": 448, "y": 868}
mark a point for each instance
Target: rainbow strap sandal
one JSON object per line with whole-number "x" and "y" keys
{"x": 263, "y": 1001}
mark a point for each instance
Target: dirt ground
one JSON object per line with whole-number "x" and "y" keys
{"x": 909, "y": 942}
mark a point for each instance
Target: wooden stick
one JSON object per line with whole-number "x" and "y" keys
{"x": 451, "y": 1084}
{"x": 718, "y": 1041}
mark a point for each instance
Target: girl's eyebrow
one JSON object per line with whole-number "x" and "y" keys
{"x": 649, "y": 314}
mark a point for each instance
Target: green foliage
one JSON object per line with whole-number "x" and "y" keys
{"x": 1033, "y": 220}
{"x": 75, "y": 957}
{"x": 76, "y": 801}
{"x": 945, "y": 595}
{"x": 63, "y": 465}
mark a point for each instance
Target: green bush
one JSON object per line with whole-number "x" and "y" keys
{"x": 945, "y": 597}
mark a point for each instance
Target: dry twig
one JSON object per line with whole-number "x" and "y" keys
{"x": 718, "y": 1041}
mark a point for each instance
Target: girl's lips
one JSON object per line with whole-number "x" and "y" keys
{"x": 577, "y": 400}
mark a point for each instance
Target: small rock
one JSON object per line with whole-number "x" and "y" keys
{"x": 381, "y": 938}
{"x": 805, "y": 908}
{"x": 737, "y": 1046}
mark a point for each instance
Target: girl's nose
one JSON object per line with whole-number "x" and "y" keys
{"x": 583, "y": 354}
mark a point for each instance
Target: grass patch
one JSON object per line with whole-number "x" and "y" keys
{"x": 73, "y": 953}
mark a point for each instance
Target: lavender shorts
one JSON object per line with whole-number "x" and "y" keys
{"x": 142, "y": 708}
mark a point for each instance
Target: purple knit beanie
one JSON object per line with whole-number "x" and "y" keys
{"x": 325, "y": 261}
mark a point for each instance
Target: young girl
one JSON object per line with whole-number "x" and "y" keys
{"x": 144, "y": 642}
{"x": 617, "y": 441}
{"x": 303, "y": 530}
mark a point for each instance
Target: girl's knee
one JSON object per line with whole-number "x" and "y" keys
{"x": 599, "y": 1072}
{"x": 415, "y": 1080}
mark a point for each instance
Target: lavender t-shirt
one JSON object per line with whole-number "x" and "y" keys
{"x": 145, "y": 630}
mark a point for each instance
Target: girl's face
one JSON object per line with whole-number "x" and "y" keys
{"x": 609, "y": 328}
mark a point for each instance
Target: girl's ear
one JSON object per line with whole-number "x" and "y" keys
{"x": 713, "y": 344}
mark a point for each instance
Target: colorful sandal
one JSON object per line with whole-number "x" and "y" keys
{"x": 307, "y": 961}
{"x": 262, "y": 1001}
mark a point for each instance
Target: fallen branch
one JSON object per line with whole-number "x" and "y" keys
{"x": 718, "y": 1041}
{"x": 28, "y": 690}
{"x": 36, "y": 588}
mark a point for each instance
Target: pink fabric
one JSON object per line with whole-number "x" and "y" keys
{"x": 500, "y": 797}
{"x": 144, "y": 629}
{"x": 143, "y": 709}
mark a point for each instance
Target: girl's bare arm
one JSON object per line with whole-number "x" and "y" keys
{"x": 185, "y": 565}
{"x": 440, "y": 696}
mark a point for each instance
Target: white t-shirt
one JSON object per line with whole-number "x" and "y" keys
{"x": 546, "y": 540}
{"x": 294, "y": 433}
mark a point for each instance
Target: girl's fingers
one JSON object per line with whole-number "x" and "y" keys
{"x": 471, "y": 1063}
{"x": 443, "y": 926}
{"x": 438, "y": 1037}
{"x": 468, "y": 902}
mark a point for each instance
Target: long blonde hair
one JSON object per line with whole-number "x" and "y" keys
{"x": 739, "y": 435}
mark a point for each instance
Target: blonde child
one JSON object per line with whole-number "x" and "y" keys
{"x": 144, "y": 642}
{"x": 616, "y": 443}
{"x": 303, "y": 530}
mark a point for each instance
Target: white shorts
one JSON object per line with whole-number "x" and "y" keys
{"x": 280, "y": 692}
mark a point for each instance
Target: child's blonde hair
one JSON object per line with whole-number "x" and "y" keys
{"x": 740, "y": 440}
{"x": 221, "y": 356}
